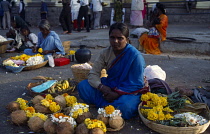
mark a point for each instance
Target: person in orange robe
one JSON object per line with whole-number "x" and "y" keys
{"x": 150, "y": 44}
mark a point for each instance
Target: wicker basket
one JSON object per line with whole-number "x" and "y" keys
{"x": 164, "y": 129}
{"x": 79, "y": 74}
{"x": 3, "y": 46}
{"x": 35, "y": 66}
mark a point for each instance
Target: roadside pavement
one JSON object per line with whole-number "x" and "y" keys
{"x": 182, "y": 69}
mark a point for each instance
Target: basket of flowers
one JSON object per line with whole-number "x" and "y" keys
{"x": 173, "y": 114}
{"x": 24, "y": 62}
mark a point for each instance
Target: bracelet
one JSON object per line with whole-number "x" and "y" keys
{"x": 100, "y": 86}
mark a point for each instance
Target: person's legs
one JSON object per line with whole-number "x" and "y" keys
{"x": 97, "y": 18}
{"x": 4, "y": 21}
{"x": 63, "y": 23}
{"x": 69, "y": 22}
{"x": 79, "y": 19}
{"x": 8, "y": 19}
{"x": 86, "y": 18}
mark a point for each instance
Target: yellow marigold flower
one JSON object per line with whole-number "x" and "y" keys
{"x": 75, "y": 115}
{"x": 164, "y": 101}
{"x": 161, "y": 116}
{"x": 94, "y": 123}
{"x": 167, "y": 109}
{"x": 22, "y": 102}
{"x": 152, "y": 116}
{"x": 158, "y": 108}
{"x": 54, "y": 107}
{"x": 80, "y": 111}
{"x": 70, "y": 100}
{"x": 40, "y": 115}
{"x": 109, "y": 109}
{"x": 144, "y": 97}
{"x": 71, "y": 52}
{"x": 49, "y": 97}
{"x": 168, "y": 116}
{"x": 45, "y": 102}
{"x": 40, "y": 50}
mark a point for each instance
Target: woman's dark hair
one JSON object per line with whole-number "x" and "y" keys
{"x": 161, "y": 7}
{"x": 120, "y": 26}
{"x": 25, "y": 28}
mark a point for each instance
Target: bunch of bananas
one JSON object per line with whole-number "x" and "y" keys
{"x": 61, "y": 86}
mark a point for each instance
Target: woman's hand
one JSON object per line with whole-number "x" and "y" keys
{"x": 34, "y": 49}
{"x": 108, "y": 94}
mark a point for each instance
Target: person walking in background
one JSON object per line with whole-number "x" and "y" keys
{"x": 97, "y": 10}
{"x": 14, "y": 9}
{"x": 65, "y": 17}
{"x": 1, "y": 16}
{"x": 6, "y": 18}
{"x": 43, "y": 10}
{"x": 83, "y": 12}
{"x": 136, "y": 17}
{"x": 22, "y": 9}
{"x": 74, "y": 12}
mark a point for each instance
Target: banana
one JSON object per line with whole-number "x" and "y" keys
{"x": 64, "y": 86}
{"x": 67, "y": 83}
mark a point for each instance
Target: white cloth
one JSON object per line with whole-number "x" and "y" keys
{"x": 154, "y": 71}
{"x": 97, "y": 5}
{"x": 137, "y": 5}
{"x": 84, "y": 2}
{"x": 74, "y": 5}
{"x": 20, "y": 7}
{"x": 139, "y": 31}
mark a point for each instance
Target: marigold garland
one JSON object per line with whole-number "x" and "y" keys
{"x": 94, "y": 123}
{"x": 70, "y": 100}
{"x": 53, "y": 106}
{"x": 109, "y": 111}
{"x": 22, "y": 102}
{"x": 158, "y": 104}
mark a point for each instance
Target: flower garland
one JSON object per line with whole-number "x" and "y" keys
{"x": 70, "y": 100}
{"x": 22, "y": 102}
{"x": 25, "y": 57}
{"x": 158, "y": 109}
{"x": 109, "y": 111}
{"x": 94, "y": 123}
{"x": 78, "y": 109}
{"x": 60, "y": 117}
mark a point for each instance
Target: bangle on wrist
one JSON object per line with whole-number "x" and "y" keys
{"x": 100, "y": 86}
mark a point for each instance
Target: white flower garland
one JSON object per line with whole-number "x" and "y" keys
{"x": 63, "y": 119}
{"x": 103, "y": 112}
{"x": 34, "y": 60}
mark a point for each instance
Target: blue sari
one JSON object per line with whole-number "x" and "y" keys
{"x": 51, "y": 42}
{"x": 126, "y": 73}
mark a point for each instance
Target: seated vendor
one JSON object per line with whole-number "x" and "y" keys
{"x": 48, "y": 40}
{"x": 14, "y": 33}
{"x": 123, "y": 86}
{"x": 159, "y": 21}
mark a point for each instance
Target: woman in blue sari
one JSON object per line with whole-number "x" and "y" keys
{"x": 124, "y": 84}
{"x": 48, "y": 40}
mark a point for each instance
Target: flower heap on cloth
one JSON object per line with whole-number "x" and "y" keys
{"x": 156, "y": 107}
{"x": 109, "y": 111}
{"x": 94, "y": 123}
{"x": 10, "y": 63}
{"x": 34, "y": 60}
{"x": 78, "y": 109}
{"x": 70, "y": 100}
{"x": 60, "y": 117}
{"x": 30, "y": 111}
{"x": 191, "y": 119}
{"x": 25, "y": 57}
{"x": 48, "y": 102}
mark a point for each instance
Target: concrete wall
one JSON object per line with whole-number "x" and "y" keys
{"x": 175, "y": 15}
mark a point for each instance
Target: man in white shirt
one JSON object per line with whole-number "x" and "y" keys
{"x": 97, "y": 10}
{"x": 83, "y": 12}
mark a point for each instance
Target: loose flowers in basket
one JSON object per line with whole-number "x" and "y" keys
{"x": 111, "y": 117}
{"x": 165, "y": 114}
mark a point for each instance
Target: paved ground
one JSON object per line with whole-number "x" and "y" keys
{"x": 181, "y": 69}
